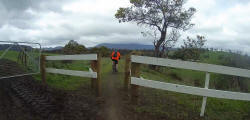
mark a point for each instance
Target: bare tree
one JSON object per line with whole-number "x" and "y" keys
{"x": 158, "y": 15}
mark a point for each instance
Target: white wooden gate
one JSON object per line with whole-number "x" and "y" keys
{"x": 89, "y": 74}
{"x": 94, "y": 71}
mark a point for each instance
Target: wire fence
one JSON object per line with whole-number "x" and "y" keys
{"x": 19, "y": 58}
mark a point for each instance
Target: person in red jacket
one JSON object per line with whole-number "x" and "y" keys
{"x": 115, "y": 56}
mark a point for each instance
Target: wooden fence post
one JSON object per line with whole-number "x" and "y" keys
{"x": 135, "y": 72}
{"x": 98, "y": 89}
{"x": 43, "y": 68}
{"x": 96, "y": 82}
{"x": 127, "y": 72}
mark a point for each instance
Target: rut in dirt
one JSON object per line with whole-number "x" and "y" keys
{"x": 113, "y": 108}
{"x": 24, "y": 98}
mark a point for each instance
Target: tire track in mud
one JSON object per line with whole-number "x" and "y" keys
{"x": 23, "y": 98}
{"x": 24, "y": 95}
{"x": 115, "y": 98}
{"x": 25, "y": 92}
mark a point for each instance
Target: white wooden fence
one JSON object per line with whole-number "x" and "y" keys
{"x": 89, "y": 74}
{"x": 93, "y": 73}
{"x": 72, "y": 72}
{"x": 205, "y": 92}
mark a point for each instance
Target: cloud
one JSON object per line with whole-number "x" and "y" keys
{"x": 225, "y": 23}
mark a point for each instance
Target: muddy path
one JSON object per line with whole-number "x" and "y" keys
{"x": 24, "y": 98}
{"x": 28, "y": 100}
{"x": 116, "y": 99}
{"x": 112, "y": 108}
{"x": 20, "y": 102}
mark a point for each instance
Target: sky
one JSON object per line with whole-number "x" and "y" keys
{"x": 224, "y": 23}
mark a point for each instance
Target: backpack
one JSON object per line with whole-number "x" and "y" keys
{"x": 115, "y": 55}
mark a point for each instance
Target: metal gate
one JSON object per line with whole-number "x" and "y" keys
{"x": 19, "y": 59}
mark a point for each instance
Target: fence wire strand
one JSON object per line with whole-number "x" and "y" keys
{"x": 19, "y": 59}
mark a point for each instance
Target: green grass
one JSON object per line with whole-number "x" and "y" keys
{"x": 163, "y": 104}
{"x": 158, "y": 102}
{"x": 10, "y": 55}
{"x": 184, "y": 103}
{"x": 32, "y": 62}
{"x": 13, "y": 55}
{"x": 65, "y": 82}
{"x": 106, "y": 66}
{"x": 221, "y": 109}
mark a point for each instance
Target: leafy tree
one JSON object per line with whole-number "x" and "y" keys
{"x": 192, "y": 43}
{"x": 74, "y": 48}
{"x": 191, "y": 48}
{"x": 104, "y": 51}
{"x": 160, "y": 16}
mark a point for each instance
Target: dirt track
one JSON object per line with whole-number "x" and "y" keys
{"x": 28, "y": 100}
{"x": 23, "y": 98}
{"x": 113, "y": 107}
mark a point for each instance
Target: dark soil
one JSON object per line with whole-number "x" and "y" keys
{"x": 9, "y": 68}
{"x": 113, "y": 107}
{"x": 23, "y": 98}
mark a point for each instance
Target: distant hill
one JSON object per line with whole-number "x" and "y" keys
{"x": 14, "y": 47}
{"x": 53, "y": 48}
{"x": 127, "y": 46}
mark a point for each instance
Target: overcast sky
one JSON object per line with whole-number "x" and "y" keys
{"x": 225, "y": 23}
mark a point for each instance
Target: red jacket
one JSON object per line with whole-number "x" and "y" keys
{"x": 118, "y": 56}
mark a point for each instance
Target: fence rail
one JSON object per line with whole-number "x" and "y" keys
{"x": 73, "y": 57}
{"x": 205, "y": 92}
{"x": 190, "y": 90}
{"x": 192, "y": 66}
{"x": 94, "y": 71}
{"x": 72, "y": 72}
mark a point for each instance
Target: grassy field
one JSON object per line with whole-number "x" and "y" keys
{"x": 178, "y": 106}
{"x": 32, "y": 63}
{"x": 70, "y": 82}
{"x": 164, "y": 104}
{"x": 65, "y": 82}
{"x": 55, "y": 80}
{"x": 10, "y": 55}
